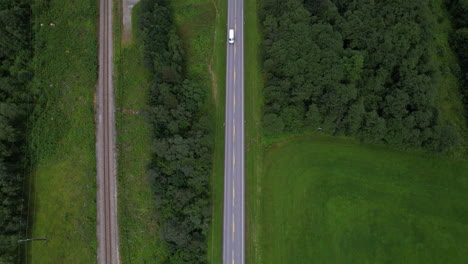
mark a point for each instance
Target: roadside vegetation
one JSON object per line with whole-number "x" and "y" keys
{"x": 201, "y": 25}
{"x": 216, "y": 64}
{"x": 358, "y": 69}
{"x": 253, "y": 101}
{"x": 61, "y": 141}
{"x": 15, "y": 104}
{"x": 383, "y": 73}
{"x": 182, "y": 132}
{"x": 347, "y": 202}
{"x": 139, "y": 240}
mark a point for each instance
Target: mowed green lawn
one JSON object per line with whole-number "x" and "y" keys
{"x": 332, "y": 200}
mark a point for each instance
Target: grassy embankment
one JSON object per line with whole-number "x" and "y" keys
{"x": 254, "y": 151}
{"x": 63, "y": 175}
{"x": 217, "y": 70}
{"x": 139, "y": 240}
{"x": 196, "y": 24}
{"x": 418, "y": 213}
{"x": 333, "y": 200}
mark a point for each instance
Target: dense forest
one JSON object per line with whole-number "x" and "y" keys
{"x": 15, "y": 55}
{"x": 459, "y": 40}
{"x": 359, "y": 68}
{"x": 182, "y": 138}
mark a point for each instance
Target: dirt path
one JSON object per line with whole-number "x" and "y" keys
{"x": 107, "y": 224}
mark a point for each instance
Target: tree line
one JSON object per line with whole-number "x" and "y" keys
{"x": 459, "y": 42}
{"x": 358, "y": 68}
{"x": 15, "y": 73}
{"x": 182, "y": 138}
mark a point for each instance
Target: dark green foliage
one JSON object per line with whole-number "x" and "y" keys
{"x": 359, "y": 68}
{"x": 14, "y": 74}
{"x": 272, "y": 124}
{"x": 14, "y": 28}
{"x": 182, "y": 138}
{"x": 459, "y": 10}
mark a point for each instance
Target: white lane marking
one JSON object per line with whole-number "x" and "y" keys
{"x": 234, "y": 74}
{"x": 234, "y": 160}
{"x": 233, "y": 192}
{"x": 233, "y": 228}
{"x": 234, "y": 131}
{"x": 234, "y": 101}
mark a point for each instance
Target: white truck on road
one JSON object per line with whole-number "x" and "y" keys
{"x": 231, "y": 36}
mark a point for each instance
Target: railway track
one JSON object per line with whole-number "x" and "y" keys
{"x": 107, "y": 228}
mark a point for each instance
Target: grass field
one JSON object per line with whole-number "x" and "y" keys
{"x": 62, "y": 201}
{"x": 332, "y": 200}
{"x": 139, "y": 240}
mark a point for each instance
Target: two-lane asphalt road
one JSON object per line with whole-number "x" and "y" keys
{"x": 233, "y": 233}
